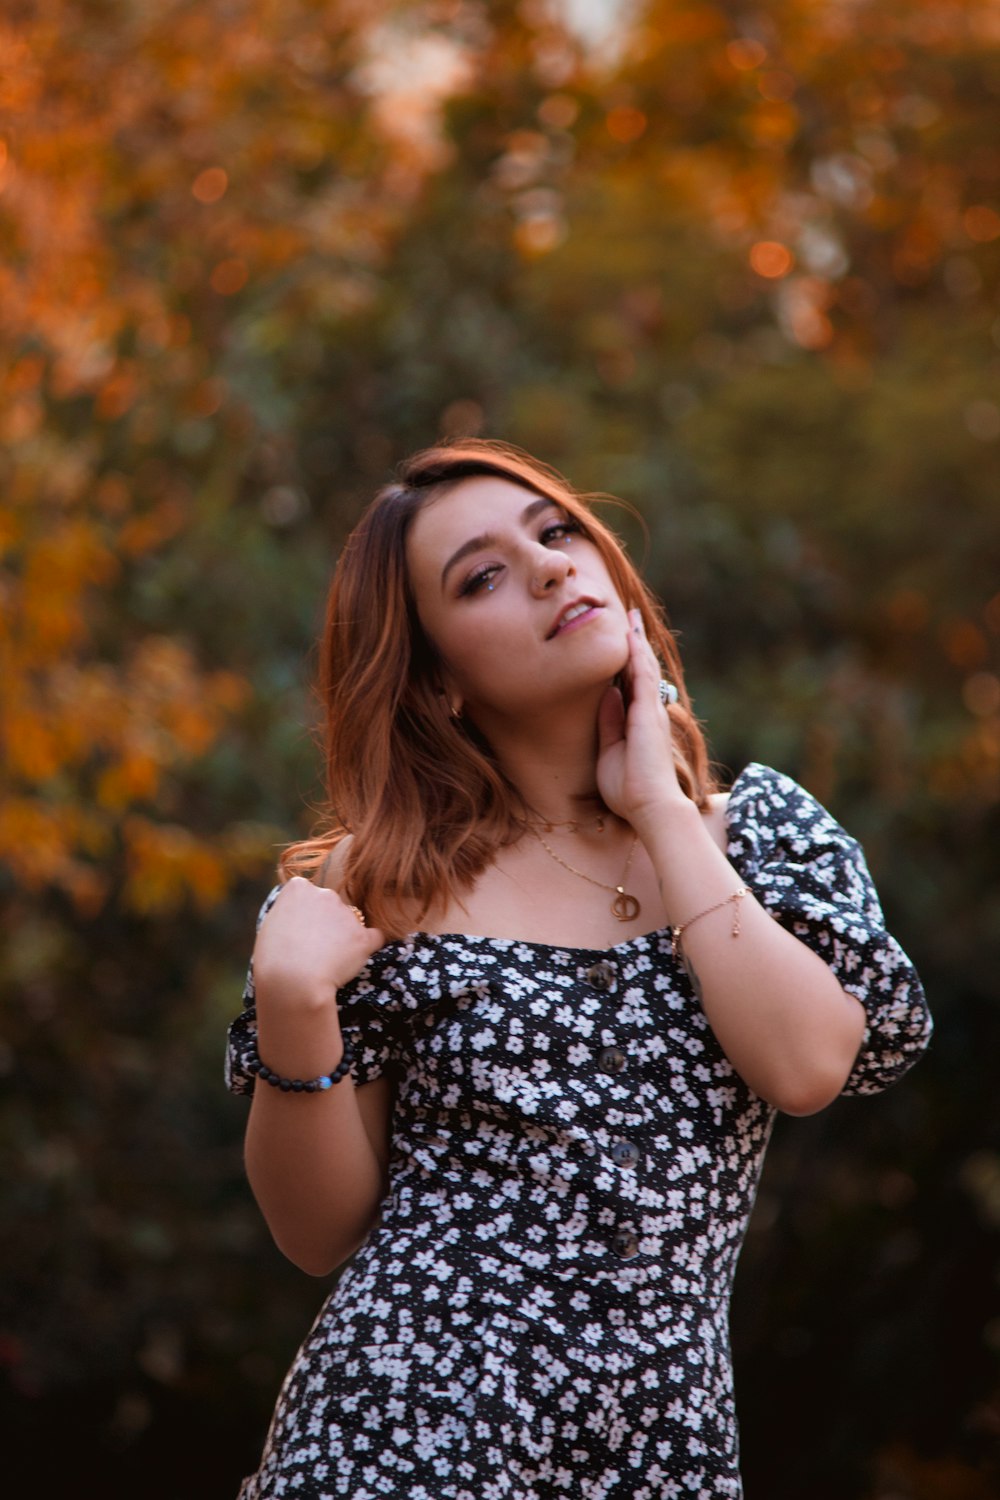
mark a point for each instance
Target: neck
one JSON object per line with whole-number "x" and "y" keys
{"x": 553, "y": 762}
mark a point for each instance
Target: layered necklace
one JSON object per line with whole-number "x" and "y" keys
{"x": 625, "y": 906}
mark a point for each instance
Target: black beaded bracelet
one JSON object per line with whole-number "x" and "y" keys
{"x": 294, "y": 1085}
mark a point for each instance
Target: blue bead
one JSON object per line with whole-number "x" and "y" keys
{"x": 324, "y": 1082}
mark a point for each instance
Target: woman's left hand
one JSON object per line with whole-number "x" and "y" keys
{"x": 636, "y": 775}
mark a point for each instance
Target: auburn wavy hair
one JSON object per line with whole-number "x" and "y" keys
{"x": 420, "y": 791}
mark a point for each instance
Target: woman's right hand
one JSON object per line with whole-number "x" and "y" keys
{"x": 316, "y": 1161}
{"x": 309, "y": 944}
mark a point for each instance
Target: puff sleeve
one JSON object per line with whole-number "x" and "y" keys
{"x": 812, "y": 877}
{"x": 368, "y": 1027}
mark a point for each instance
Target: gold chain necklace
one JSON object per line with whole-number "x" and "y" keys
{"x": 625, "y": 907}
{"x": 572, "y": 825}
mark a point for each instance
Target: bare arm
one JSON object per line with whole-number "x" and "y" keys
{"x": 316, "y": 1162}
{"x": 781, "y": 1016}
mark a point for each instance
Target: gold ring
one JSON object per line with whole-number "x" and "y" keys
{"x": 359, "y": 914}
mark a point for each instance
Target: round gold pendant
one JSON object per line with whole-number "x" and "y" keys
{"x": 625, "y": 907}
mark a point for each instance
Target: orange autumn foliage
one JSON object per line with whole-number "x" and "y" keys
{"x": 140, "y": 191}
{"x": 166, "y": 176}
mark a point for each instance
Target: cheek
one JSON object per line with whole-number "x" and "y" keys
{"x": 495, "y": 667}
{"x": 487, "y": 657}
{"x": 468, "y": 651}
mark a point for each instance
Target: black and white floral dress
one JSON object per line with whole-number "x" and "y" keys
{"x": 542, "y": 1310}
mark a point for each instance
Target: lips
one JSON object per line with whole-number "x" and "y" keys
{"x": 571, "y": 612}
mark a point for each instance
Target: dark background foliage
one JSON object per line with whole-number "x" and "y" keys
{"x": 737, "y": 264}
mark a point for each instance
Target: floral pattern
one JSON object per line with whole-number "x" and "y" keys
{"x": 542, "y": 1309}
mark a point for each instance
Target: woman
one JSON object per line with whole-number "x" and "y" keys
{"x": 574, "y": 981}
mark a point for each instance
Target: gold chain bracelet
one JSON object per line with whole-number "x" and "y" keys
{"x": 735, "y": 897}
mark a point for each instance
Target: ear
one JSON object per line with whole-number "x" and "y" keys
{"x": 450, "y": 695}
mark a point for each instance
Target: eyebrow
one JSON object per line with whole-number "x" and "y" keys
{"x": 489, "y": 539}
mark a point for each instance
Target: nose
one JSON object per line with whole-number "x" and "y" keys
{"x": 550, "y": 567}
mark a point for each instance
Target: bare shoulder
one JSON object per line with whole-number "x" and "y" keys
{"x": 715, "y": 819}
{"x": 331, "y": 872}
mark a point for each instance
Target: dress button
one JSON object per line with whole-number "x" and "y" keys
{"x": 624, "y": 1153}
{"x": 611, "y": 1059}
{"x": 601, "y": 976}
{"x": 625, "y": 1244}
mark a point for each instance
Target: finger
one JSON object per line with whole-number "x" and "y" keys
{"x": 376, "y": 938}
{"x": 638, "y": 635}
{"x": 644, "y": 669}
{"x": 645, "y": 665}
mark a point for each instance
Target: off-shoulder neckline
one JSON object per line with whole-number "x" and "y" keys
{"x": 420, "y": 938}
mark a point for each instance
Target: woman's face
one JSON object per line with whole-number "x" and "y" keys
{"x": 516, "y": 599}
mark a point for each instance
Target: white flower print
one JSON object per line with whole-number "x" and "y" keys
{"x": 532, "y": 1306}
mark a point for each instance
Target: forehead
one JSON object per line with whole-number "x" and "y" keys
{"x": 481, "y": 506}
{"x": 480, "y": 502}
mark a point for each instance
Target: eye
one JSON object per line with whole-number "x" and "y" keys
{"x": 560, "y": 531}
{"x": 479, "y": 579}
